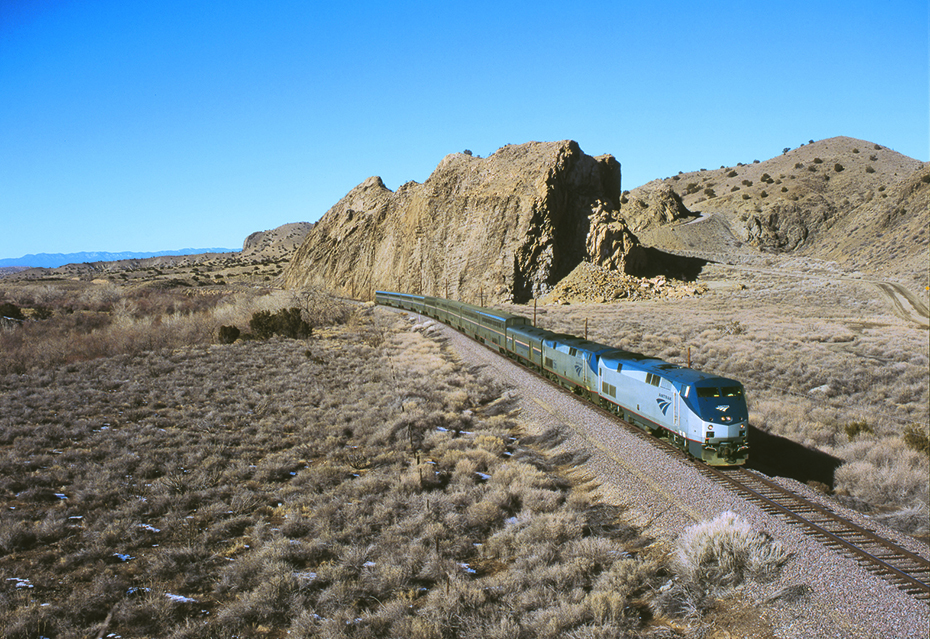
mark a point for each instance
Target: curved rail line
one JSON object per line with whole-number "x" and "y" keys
{"x": 906, "y": 570}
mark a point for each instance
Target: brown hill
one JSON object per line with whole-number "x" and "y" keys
{"x": 509, "y": 226}
{"x": 848, "y": 201}
{"x": 275, "y": 243}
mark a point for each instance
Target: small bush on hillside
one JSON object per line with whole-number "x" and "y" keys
{"x": 286, "y": 323}
{"x": 10, "y": 310}
{"x": 228, "y": 334}
{"x": 857, "y": 428}
{"x": 918, "y": 438}
{"x": 838, "y": 167}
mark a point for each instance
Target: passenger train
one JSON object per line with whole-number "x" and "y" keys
{"x": 703, "y": 414}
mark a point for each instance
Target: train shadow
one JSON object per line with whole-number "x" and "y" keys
{"x": 779, "y": 457}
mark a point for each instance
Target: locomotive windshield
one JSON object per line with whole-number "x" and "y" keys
{"x": 726, "y": 391}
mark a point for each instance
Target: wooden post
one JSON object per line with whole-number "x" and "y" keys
{"x": 586, "y": 329}
{"x": 689, "y": 357}
{"x": 534, "y": 312}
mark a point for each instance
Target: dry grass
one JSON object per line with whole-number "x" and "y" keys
{"x": 825, "y": 363}
{"x": 357, "y": 484}
{"x": 82, "y": 321}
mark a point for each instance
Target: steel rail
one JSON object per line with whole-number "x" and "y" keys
{"x": 901, "y": 577}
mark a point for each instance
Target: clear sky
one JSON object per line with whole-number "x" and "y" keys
{"x": 130, "y": 125}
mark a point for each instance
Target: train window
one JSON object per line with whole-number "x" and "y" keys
{"x": 652, "y": 379}
{"x": 549, "y": 363}
{"x": 708, "y": 392}
{"x": 572, "y": 351}
{"x": 608, "y": 389}
{"x": 732, "y": 391}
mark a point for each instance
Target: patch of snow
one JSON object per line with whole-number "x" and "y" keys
{"x": 20, "y": 583}
{"x": 180, "y": 598}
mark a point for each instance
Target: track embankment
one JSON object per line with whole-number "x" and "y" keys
{"x": 664, "y": 494}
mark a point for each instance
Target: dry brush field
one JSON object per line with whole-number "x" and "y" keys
{"x": 358, "y": 483}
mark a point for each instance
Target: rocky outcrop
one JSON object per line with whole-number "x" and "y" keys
{"x": 506, "y": 227}
{"x": 652, "y": 205}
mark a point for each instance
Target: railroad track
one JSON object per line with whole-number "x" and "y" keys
{"x": 908, "y": 571}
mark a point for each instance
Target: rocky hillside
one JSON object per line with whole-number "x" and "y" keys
{"x": 506, "y": 227}
{"x": 849, "y": 201}
{"x": 275, "y": 243}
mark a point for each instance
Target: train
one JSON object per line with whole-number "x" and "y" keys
{"x": 704, "y": 415}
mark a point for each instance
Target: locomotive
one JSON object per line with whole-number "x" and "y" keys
{"x": 702, "y": 414}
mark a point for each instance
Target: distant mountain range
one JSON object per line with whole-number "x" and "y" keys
{"x": 54, "y": 260}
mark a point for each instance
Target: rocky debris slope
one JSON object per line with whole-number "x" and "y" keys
{"x": 506, "y": 227}
{"x": 590, "y": 283}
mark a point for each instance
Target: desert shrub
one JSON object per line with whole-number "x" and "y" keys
{"x": 709, "y": 192}
{"x": 818, "y": 161}
{"x": 838, "y": 167}
{"x": 10, "y": 310}
{"x": 714, "y": 557}
{"x": 857, "y": 428}
{"x": 917, "y": 438}
{"x": 869, "y": 169}
{"x": 228, "y": 334}
{"x": 285, "y": 322}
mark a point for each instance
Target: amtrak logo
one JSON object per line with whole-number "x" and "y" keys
{"x": 578, "y": 369}
{"x": 663, "y": 405}
{"x": 722, "y": 408}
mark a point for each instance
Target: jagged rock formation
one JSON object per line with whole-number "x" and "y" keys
{"x": 648, "y": 208}
{"x": 506, "y": 227}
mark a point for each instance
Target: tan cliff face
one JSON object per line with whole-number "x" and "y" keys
{"x": 506, "y": 227}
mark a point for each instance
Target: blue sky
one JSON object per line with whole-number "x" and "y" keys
{"x": 134, "y": 126}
